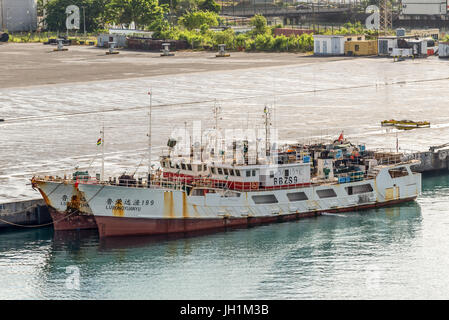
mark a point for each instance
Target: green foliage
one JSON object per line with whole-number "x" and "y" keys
{"x": 56, "y": 16}
{"x": 259, "y": 23}
{"x": 226, "y": 37}
{"x": 142, "y": 12}
{"x": 196, "y": 19}
{"x": 209, "y": 5}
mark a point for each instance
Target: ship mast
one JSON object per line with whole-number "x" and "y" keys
{"x": 149, "y": 139}
{"x": 102, "y": 153}
{"x": 267, "y": 115}
{"x": 216, "y": 110}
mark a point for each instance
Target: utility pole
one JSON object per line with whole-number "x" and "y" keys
{"x": 84, "y": 19}
{"x": 150, "y": 93}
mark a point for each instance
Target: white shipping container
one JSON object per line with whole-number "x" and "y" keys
{"x": 328, "y": 45}
{"x": 424, "y": 7}
{"x": 443, "y": 49}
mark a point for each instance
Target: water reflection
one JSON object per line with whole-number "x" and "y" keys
{"x": 347, "y": 255}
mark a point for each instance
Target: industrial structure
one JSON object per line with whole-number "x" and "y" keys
{"x": 18, "y": 15}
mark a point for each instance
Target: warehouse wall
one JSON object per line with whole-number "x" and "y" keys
{"x": 18, "y": 15}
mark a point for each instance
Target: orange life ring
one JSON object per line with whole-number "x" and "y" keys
{"x": 254, "y": 185}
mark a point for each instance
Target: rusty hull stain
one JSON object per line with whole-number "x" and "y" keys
{"x": 168, "y": 204}
{"x": 118, "y": 210}
{"x": 185, "y": 209}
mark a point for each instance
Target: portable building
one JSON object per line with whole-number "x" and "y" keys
{"x": 361, "y": 48}
{"x": 328, "y": 45}
{"x": 104, "y": 39}
{"x": 443, "y": 49}
{"x": 386, "y": 45}
{"x": 419, "y": 47}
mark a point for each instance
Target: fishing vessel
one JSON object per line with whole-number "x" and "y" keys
{"x": 405, "y": 124}
{"x": 189, "y": 194}
{"x": 66, "y": 204}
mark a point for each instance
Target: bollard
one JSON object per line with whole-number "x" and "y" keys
{"x": 222, "y": 51}
{"x": 166, "y": 50}
{"x": 60, "y": 46}
{"x": 111, "y": 48}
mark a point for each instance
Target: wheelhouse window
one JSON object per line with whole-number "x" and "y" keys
{"x": 364, "y": 188}
{"x": 237, "y": 173}
{"x": 286, "y": 173}
{"x": 248, "y": 173}
{"x": 398, "y": 172}
{"x": 189, "y": 167}
{"x": 226, "y": 172}
{"x": 254, "y": 173}
{"x": 326, "y": 193}
{"x": 183, "y": 166}
{"x": 220, "y": 171}
{"x": 212, "y": 169}
{"x": 231, "y": 172}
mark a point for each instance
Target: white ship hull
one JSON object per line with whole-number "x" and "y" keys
{"x": 122, "y": 211}
{"x": 66, "y": 204}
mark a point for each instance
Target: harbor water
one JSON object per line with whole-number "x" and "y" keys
{"x": 398, "y": 252}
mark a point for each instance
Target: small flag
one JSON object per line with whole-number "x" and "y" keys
{"x": 340, "y": 138}
{"x": 98, "y": 141}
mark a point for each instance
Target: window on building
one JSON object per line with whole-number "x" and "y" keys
{"x": 357, "y": 47}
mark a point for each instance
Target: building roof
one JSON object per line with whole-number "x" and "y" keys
{"x": 327, "y": 36}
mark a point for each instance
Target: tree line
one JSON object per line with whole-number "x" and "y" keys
{"x": 145, "y": 14}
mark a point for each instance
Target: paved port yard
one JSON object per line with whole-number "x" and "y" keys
{"x": 38, "y": 64}
{"x": 54, "y": 103}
